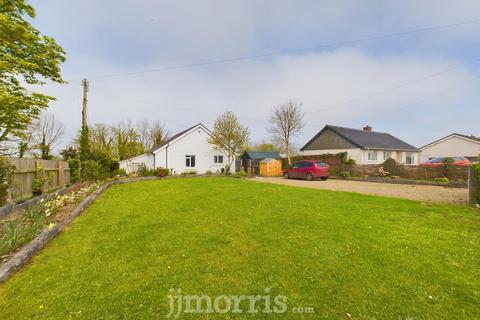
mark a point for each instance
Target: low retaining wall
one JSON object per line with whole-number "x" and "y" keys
{"x": 26, "y": 253}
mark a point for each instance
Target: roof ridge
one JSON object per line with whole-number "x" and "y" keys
{"x": 360, "y": 130}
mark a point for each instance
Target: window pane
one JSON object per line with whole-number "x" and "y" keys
{"x": 192, "y": 161}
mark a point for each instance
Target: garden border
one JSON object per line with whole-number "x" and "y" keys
{"x": 9, "y": 208}
{"x": 26, "y": 253}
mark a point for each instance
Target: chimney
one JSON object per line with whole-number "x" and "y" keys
{"x": 367, "y": 128}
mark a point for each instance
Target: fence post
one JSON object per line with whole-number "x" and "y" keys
{"x": 60, "y": 174}
{"x": 473, "y": 186}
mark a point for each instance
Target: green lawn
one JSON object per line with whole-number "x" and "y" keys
{"x": 370, "y": 257}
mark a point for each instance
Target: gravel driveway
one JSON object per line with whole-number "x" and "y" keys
{"x": 404, "y": 191}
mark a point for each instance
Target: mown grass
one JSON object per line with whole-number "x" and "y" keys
{"x": 340, "y": 253}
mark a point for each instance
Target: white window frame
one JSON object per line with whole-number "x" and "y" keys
{"x": 371, "y": 154}
{"x": 385, "y": 155}
{"x": 411, "y": 156}
{"x": 188, "y": 161}
{"x": 217, "y": 158}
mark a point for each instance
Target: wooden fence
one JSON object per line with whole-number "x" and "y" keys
{"x": 27, "y": 169}
{"x": 473, "y": 187}
{"x": 457, "y": 173}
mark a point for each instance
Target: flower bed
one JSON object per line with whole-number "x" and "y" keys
{"x": 24, "y": 225}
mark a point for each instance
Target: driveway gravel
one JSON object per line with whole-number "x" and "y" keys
{"x": 404, "y": 191}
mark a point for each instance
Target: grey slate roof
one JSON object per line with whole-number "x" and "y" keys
{"x": 260, "y": 155}
{"x": 366, "y": 140}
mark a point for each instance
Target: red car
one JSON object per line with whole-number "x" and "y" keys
{"x": 307, "y": 169}
{"x": 438, "y": 162}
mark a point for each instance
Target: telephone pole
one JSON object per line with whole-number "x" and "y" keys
{"x": 85, "y": 85}
{"x": 84, "y": 138}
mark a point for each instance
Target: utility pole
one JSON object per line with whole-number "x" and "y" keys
{"x": 84, "y": 143}
{"x": 85, "y": 101}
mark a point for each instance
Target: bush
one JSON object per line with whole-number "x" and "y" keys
{"x": 448, "y": 160}
{"x": 41, "y": 178}
{"x": 161, "y": 172}
{"x": 240, "y": 174}
{"x": 343, "y": 156}
{"x": 6, "y": 171}
{"x": 442, "y": 180}
{"x": 108, "y": 167}
{"x": 143, "y": 171}
{"x": 392, "y": 167}
{"x": 209, "y": 172}
{"x": 74, "y": 165}
{"x": 189, "y": 172}
{"x": 345, "y": 174}
{"x": 90, "y": 170}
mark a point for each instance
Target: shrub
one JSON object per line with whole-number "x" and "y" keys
{"x": 448, "y": 160}
{"x": 442, "y": 180}
{"x": 41, "y": 178}
{"x": 161, "y": 172}
{"x": 209, "y": 172}
{"x": 333, "y": 171}
{"x": 108, "y": 167}
{"x": 6, "y": 171}
{"x": 392, "y": 167}
{"x": 350, "y": 162}
{"x": 189, "y": 172}
{"x": 240, "y": 174}
{"x": 343, "y": 156}
{"x": 74, "y": 165}
{"x": 143, "y": 171}
{"x": 344, "y": 174}
{"x": 90, "y": 170}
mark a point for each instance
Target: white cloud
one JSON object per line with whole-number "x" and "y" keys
{"x": 124, "y": 36}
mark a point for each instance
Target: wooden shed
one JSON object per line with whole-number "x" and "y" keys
{"x": 250, "y": 160}
{"x": 270, "y": 167}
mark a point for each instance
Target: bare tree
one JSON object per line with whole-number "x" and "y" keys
{"x": 158, "y": 134}
{"x": 127, "y": 140}
{"x": 229, "y": 136}
{"x": 151, "y": 134}
{"x": 287, "y": 121}
{"x": 101, "y": 140}
{"x": 47, "y": 133}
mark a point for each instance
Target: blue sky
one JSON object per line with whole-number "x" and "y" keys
{"x": 348, "y": 85}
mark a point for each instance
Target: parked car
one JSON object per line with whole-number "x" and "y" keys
{"x": 307, "y": 169}
{"x": 438, "y": 162}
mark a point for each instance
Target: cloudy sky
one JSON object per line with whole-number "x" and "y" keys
{"x": 144, "y": 59}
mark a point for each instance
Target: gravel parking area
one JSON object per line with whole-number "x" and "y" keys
{"x": 404, "y": 191}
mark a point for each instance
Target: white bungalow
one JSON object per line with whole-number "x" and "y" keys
{"x": 188, "y": 150}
